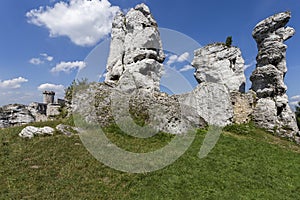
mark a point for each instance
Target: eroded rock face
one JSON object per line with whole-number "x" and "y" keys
{"x": 15, "y": 114}
{"x": 218, "y": 63}
{"x": 272, "y": 110}
{"x": 136, "y": 49}
{"x": 104, "y": 105}
{"x": 212, "y": 102}
{"x": 243, "y": 105}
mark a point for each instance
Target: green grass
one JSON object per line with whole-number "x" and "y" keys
{"x": 246, "y": 163}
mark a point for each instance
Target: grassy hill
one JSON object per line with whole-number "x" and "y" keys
{"x": 246, "y": 163}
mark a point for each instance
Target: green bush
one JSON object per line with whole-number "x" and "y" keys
{"x": 228, "y": 42}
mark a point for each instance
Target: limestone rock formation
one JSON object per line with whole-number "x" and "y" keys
{"x": 212, "y": 102}
{"x": 272, "y": 110}
{"x": 136, "y": 50}
{"x": 15, "y": 114}
{"x": 31, "y": 131}
{"x": 103, "y": 105}
{"x": 243, "y": 106}
{"x": 218, "y": 63}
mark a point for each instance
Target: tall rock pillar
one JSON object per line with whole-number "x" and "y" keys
{"x": 272, "y": 109}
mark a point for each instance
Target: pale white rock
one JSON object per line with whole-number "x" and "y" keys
{"x": 218, "y": 63}
{"x": 272, "y": 110}
{"x": 135, "y": 45}
{"x": 212, "y": 102}
{"x": 265, "y": 114}
{"x": 31, "y": 131}
{"x": 14, "y": 115}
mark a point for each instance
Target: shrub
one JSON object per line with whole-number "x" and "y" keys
{"x": 228, "y": 42}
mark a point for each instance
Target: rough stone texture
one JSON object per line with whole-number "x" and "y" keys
{"x": 31, "y": 131}
{"x": 38, "y": 110}
{"x": 53, "y": 110}
{"x": 67, "y": 130}
{"x": 218, "y": 63}
{"x": 243, "y": 105}
{"x": 212, "y": 102}
{"x": 103, "y": 105}
{"x": 15, "y": 114}
{"x": 272, "y": 110}
{"x": 136, "y": 50}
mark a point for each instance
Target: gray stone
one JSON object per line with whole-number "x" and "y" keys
{"x": 136, "y": 50}
{"x": 14, "y": 115}
{"x": 272, "y": 110}
{"x": 31, "y": 131}
{"x": 67, "y": 130}
{"x": 212, "y": 102}
{"x": 218, "y": 63}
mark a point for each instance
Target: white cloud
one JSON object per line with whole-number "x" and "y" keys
{"x": 84, "y": 22}
{"x": 50, "y": 86}
{"x": 174, "y": 58}
{"x": 13, "y": 83}
{"x": 295, "y": 98}
{"x": 67, "y": 67}
{"x": 47, "y": 57}
{"x": 183, "y": 57}
{"x": 36, "y": 61}
{"x": 44, "y": 58}
{"x": 186, "y": 68}
{"x": 250, "y": 64}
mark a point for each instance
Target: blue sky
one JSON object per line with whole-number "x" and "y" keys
{"x": 43, "y": 48}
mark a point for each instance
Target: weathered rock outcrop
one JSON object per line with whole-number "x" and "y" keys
{"x": 212, "y": 102}
{"x": 243, "y": 106}
{"x": 15, "y": 114}
{"x": 103, "y": 105}
{"x": 218, "y": 63}
{"x": 272, "y": 110}
{"x": 136, "y": 50}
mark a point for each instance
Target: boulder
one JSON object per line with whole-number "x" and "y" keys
{"x": 218, "y": 63}
{"x": 31, "y": 131}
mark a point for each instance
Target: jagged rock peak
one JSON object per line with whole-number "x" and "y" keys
{"x": 219, "y": 63}
{"x": 135, "y": 43}
{"x": 274, "y": 25}
{"x": 272, "y": 110}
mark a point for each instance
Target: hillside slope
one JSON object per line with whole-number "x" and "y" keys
{"x": 246, "y": 163}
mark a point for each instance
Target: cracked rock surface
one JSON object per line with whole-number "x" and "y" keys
{"x": 272, "y": 110}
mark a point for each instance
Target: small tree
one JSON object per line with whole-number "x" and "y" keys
{"x": 228, "y": 42}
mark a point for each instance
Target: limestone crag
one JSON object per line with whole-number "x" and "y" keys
{"x": 272, "y": 110}
{"x": 103, "y": 105}
{"x": 136, "y": 53}
{"x": 218, "y": 63}
{"x": 15, "y": 114}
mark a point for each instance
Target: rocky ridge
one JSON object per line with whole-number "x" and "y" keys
{"x": 131, "y": 88}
